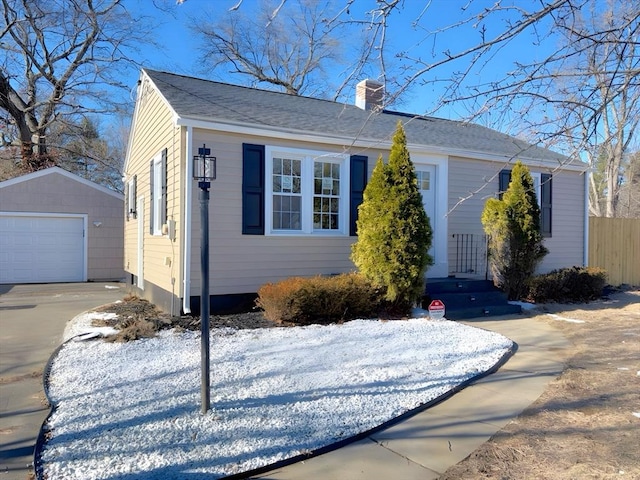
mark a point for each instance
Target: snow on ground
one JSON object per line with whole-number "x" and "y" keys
{"x": 133, "y": 409}
{"x": 81, "y": 325}
{"x": 564, "y": 319}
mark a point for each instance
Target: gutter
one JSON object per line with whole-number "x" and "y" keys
{"x": 188, "y": 193}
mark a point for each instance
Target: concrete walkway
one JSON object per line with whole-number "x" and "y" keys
{"x": 425, "y": 445}
{"x": 32, "y": 321}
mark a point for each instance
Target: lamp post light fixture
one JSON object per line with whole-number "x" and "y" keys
{"x": 204, "y": 170}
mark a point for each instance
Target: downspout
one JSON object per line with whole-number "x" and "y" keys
{"x": 186, "y": 300}
{"x": 585, "y": 254}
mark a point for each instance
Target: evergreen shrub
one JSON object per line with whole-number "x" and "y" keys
{"x": 319, "y": 300}
{"x": 394, "y": 232}
{"x": 515, "y": 239}
{"x": 575, "y": 284}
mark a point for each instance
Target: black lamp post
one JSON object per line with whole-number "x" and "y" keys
{"x": 204, "y": 170}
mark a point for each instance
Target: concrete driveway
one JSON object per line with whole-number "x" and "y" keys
{"x": 32, "y": 320}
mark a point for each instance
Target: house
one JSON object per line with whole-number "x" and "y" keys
{"x": 290, "y": 174}
{"x": 58, "y": 227}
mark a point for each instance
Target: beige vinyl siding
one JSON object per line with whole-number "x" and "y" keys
{"x": 154, "y": 130}
{"x": 130, "y": 242}
{"x": 55, "y": 193}
{"x": 242, "y": 263}
{"x": 566, "y": 244}
{"x": 472, "y": 182}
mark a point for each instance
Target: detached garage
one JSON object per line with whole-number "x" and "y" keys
{"x": 58, "y": 227}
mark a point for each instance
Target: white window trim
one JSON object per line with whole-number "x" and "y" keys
{"x": 537, "y": 181}
{"x": 157, "y": 195}
{"x": 440, "y": 223}
{"x": 131, "y": 198}
{"x": 308, "y": 157}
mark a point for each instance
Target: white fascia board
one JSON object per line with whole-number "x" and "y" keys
{"x": 159, "y": 92}
{"x": 144, "y": 77}
{"x": 282, "y": 134}
{"x": 127, "y": 154}
{"x": 349, "y": 142}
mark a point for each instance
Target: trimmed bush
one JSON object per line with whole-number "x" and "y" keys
{"x": 319, "y": 299}
{"x": 575, "y": 284}
{"x": 394, "y": 232}
{"x": 515, "y": 241}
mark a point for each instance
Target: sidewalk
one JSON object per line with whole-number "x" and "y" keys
{"x": 424, "y": 446}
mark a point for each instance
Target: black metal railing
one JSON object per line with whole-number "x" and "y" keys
{"x": 471, "y": 254}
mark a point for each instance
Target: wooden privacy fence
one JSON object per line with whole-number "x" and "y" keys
{"x": 614, "y": 245}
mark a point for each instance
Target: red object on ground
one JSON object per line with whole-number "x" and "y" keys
{"x": 436, "y": 309}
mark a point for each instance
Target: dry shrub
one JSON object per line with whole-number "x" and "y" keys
{"x": 279, "y": 300}
{"x": 319, "y": 299}
{"x": 134, "y": 329}
{"x": 567, "y": 285}
{"x": 136, "y": 318}
{"x": 131, "y": 306}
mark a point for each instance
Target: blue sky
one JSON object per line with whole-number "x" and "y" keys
{"x": 178, "y": 50}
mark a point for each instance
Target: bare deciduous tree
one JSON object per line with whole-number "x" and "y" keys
{"x": 90, "y": 150}
{"x": 288, "y": 46}
{"x": 590, "y": 90}
{"x": 629, "y": 192}
{"x": 582, "y": 98}
{"x": 60, "y": 58}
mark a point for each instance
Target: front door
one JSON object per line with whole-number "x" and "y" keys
{"x": 426, "y": 175}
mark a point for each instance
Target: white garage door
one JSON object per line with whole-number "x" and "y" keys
{"x": 43, "y": 248}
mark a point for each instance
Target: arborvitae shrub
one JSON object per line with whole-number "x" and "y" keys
{"x": 394, "y": 232}
{"x": 515, "y": 240}
{"x": 319, "y": 299}
{"x": 575, "y": 284}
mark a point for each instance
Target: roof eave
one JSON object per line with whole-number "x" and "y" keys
{"x": 366, "y": 143}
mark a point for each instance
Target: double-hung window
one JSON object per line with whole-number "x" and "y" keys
{"x": 326, "y": 195}
{"x": 542, "y": 184}
{"x": 158, "y": 188}
{"x": 536, "y": 186}
{"x": 286, "y": 182}
{"x": 307, "y": 192}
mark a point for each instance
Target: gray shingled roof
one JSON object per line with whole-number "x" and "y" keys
{"x": 197, "y": 99}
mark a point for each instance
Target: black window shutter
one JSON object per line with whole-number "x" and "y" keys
{"x": 358, "y": 182}
{"x": 545, "y": 204}
{"x": 163, "y": 171}
{"x": 253, "y": 177}
{"x": 151, "y": 209}
{"x": 504, "y": 180}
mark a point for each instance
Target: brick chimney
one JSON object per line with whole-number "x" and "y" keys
{"x": 369, "y": 95}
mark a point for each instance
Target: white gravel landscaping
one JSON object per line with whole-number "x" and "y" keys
{"x": 132, "y": 410}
